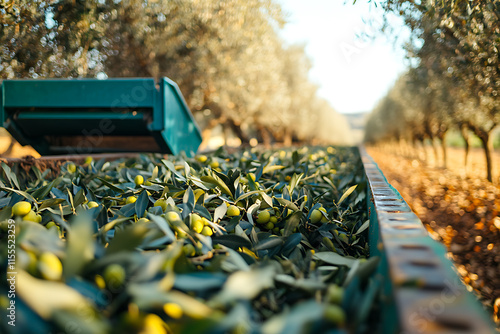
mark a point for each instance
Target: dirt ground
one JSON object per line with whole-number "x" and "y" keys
{"x": 459, "y": 208}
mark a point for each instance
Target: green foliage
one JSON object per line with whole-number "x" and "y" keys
{"x": 133, "y": 267}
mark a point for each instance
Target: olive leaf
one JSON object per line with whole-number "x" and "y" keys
{"x": 48, "y": 297}
{"x": 363, "y": 227}
{"x": 269, "y": 243}
{"x": 80, "y": 245}
{"x": 141, "y": 204}
{"x": 111, "y": 186}
{"x": 50, "y": 203}
{"x": 335, "y": 259}
{"x": 43, "y": 191}
{"x": 270, "y": 169}
{"x": 220, "y": 212}
{"x": 217, "y": 181}
{"x": 171, "y": 167}
{"x": 287, "y": 203}
{"x": 232, "y": 241}
{"x": 10, "y": 175}
{"x": 19, "y": 192}
{"x": 346, "y": 193}
{"x": 292, "y": 222}
{"x": 127, "y": 239}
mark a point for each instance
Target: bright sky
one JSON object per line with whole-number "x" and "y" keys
{"x": 353, "y": 75}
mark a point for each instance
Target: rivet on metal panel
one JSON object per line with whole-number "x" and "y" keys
{"x": 408, "y": 231}
{"x": 383, "y": 191}
{"x": 377, "y": 194}
{"x": 392, "y": 211}
{"x": 391, "y": 205}
{"x": 402, "y": 219}
{"x": 405, "y": 227}
{"x": 437, "y": 287}
{"x": 384, "y": 198}
{"x": 414, "y": 247}
{"x": 453, "y": 324}
{"x": 423, "y": 263}
{"x": 393, "y": 208}
{"x": 379, "y": 184}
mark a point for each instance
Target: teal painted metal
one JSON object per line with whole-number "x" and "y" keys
{"x": 183, "y": 132}
{"x": 80, "y": 93}
{"x": 421, "y": 291}
{"x": 92, "y": 116}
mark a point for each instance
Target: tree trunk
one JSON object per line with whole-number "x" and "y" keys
{"x": 414, "y": 148}
{"x": 487, "y": 142}
{"x": 443, "y": 148}
{"x": 407, "y": 149}
{"x": 426, "y": 154}
{"x": 206, "y": 133}
{"x": 236, "y": 128}
{"x": 217, "y": 118}
{"x": 465, "y": 135}
{"x": 266, "y": 137}
{"x": 435, "y": 151}
{"x": 445, "y": 153}
{"x": 287, "y": 139}
{"x": 421, "y": 152}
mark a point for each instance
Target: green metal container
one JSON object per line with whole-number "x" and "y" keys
{"x": 81, "y": 116}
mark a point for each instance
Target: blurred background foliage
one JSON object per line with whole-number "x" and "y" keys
{"x": 453, "y": 83}
{"x": 239, "y": 78}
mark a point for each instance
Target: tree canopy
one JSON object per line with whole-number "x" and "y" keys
{"x": 226, "y": 56}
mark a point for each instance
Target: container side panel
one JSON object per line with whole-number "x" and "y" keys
{"x": 181, "y": 131}
{"x": 80, "y": 93}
